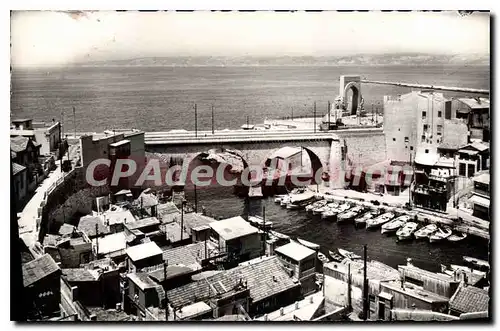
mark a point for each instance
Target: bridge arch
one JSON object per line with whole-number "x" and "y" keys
{"x": 351, "y": 83}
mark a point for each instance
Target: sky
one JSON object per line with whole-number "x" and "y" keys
{"x": 59, "y": 38}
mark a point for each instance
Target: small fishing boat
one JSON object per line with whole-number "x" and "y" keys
{"x": 330, "y": 214}
{"x": 348, "y": 255}
{"x": 320, "y": 210}
{"x": 456, "y": 267}
{"x": 318, "y": 204}
{"x": 426, "y": 231}
{"x": 476, "y": 262}
{"x": 365, "y": 217}
{"x": 350, "y": 214}
{"x": 336, "y": 256}
{"x": 406, "y": 231}
{"x": 395, "y": 224}
{"x": 440, "y": 234}
{"x": 300, "y": 200}
{"x": 345, "y": 206}
{"x": 284, "y": 201}
{"x": 379, "y": 220}
{"x": 457, "y": 237}
{"x": 278, "y": 235}
{"x": 322, "y": 257}
{"x": 308, "y": 244}
{"x": 277, "y": 198}
{"x": 258, "y": 222}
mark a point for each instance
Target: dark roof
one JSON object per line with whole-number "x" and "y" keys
{"x": 17, "y": 168}
{"x": 450, "y": 145}
{"x": 110, "y": 314}
{"x": 265, "y": 277}
{"x": 78, "y": 275}
{"x": 38, "y": 269}
{"x": 87, "y": 225}
{"x": 469, "y": 299}
{"x": 188, "y": 255}
{"x": 172, "y": 272}
{"x": 18, "y": 143}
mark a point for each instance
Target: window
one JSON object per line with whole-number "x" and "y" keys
{"x": 440, "y": 114}
{"x": 411, "y": 148}
{"x": 407, "y": 139}
{"x": 21, "y": 180}
{"x": 439, "y": 130}
{"x": 426, "y": 127}
{"x": 423, "y": 138}
{"x": 424, "y": 115}
{"x": 393, "y": 139}
{"x": 461, "y": 169}
{"x": 447, "y": 110}
{"x": 427, "y": 151}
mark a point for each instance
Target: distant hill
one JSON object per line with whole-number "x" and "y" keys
{"x": 359, "y": 59}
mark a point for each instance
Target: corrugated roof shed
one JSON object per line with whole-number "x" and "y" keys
{"x": 264, "y": 278}
{"x": 143, "y": 251}
{"x": 234, "y": 227}
{"x": 295, "y": 251}
{"x": 142, "y": 223}
{"x": 19, "y": 143}
{"x": 38, "y": 269}
{"x": 469, "y": 299}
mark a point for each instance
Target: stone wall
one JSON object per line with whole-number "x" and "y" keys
{"x": 365, "y": 146}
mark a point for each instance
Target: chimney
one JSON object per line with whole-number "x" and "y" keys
{"x": 296, "y": 305}
{"x": 311, "y": 299}
{"x": 118, "y": 306}
{"x": 282, "y": 311}
{"x": 266, "y": 318}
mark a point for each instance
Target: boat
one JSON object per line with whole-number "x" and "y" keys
{"x": 322, "y": 257}
{"x": 395, "y": 224}
{"x": 278, "y": 235}
{"x": 477, "y": 262}
{"x": 284, "y": 201}
{"x": 343, "y": 207}
{"x": 258, "y": 222}
{"x": 350, "y": 214}
{"x": 277, "y": 199}
{"x": 300, "y": 200}
{"x": 348, "y": 255}
{"x": 456, "y": 267}
{"x": 308, "y": 244}
{"x": 406, "y": 231}
{"x": 318, "y": 204}
{"x": 379, "y": 220}
{"x": 320, "y": 210}
{"x": 330, "y": 214}
{"x": 440, "y": 234}
{"x": 336, "y": 256}
{"x": 457, "y": 237}
{"x": 426, "y": 231}
{"x": 366, "y": 216}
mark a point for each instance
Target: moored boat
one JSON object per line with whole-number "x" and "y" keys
{"x": 457, "y": 237}
{"x": 320, "y": 210}
{"x": 379, "y": 220}
{"x": 349, "y": 214}
{"x": 308, "y": 244}
{"x": 258, "y": 222}
{"x": 336, "y": 256}
{"x": 406, "y": 232}
{"x": 300, "y": 200}
{"x": 440, "y": 234}
{"x": 347, "y": 254}
{"x": 322, "y": 257}
{"x": 318, "y": 204}
{"x": 343, "y": 207}
{"x": 330, "y": 214}
{"x": 426, "y": 231}
{"x": 366, "y": 216}
{"x": 277, "y": 198}
{"x": 456, "y": 267}
{"x": 284, "y": 201}
{"x": 395, "y": 224}
{"x": 477, "y": 262}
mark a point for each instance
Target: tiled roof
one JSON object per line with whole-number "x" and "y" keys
{"x": 79, "y": 275}
{"x": 469, "y": 299}
{"x": 87, "y": 225}
{"x": 172, "y": 271}
{"x": 188, "y": 255}
{"x": 234, "y": 227}
{"x": 166, "y": 208}
{"x": 19, "y": 143}
{"x": 265, "y": 277}
{"x": 194, "y": 220}
{"x": 38, "y": 269}
{"x": 17, "y": 168}
{"x": 473, "y": 103}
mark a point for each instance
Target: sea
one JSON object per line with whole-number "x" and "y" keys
{"x": 164, "y": 98}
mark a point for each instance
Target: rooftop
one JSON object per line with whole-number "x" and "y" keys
{"x": 88, "y": 224}
{"x": 375, "y": 270}
{"x": 110, "y": 314}
{"x": 111, "y": 243}
{"x": 80, "y": 275}
{"x": 304, "y": 309}
{"x": 38, "y": 269}
{"x": 146, "y": 200}
{"x": 476, "y": 103}
{"x": 142, "y": 223}
{"x": 228, "y": 318}
{"x": 66, "y": 229}
{"x": 295, "y": 251}
{"x": 234, "y": 227}
{"x": 172, "y": 272}
{"x": 18, "y": 143}
{"x": 143, "y": 251}
{"x": 193, "y": 310}
{"x": 264, "y": 278}
{"x": 142, "y": 280}
{"x": 166, "y": 208}
{"x": 427, "y": 273}
{"x": 479, "y": 200}
{"x": 483, "y": 178}
{"x": 119, "y": 217}
{"x": 173, "y": 230}
{"x": 414, "y": 291}
{"x": 469, "y": 299}
{"x": 120, "y": 143}
{"x": 188, "y": 255}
